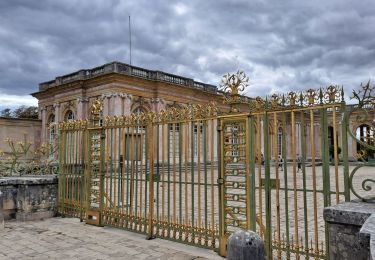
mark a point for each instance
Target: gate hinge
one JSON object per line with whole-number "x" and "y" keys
{"x": 220, "y": 181}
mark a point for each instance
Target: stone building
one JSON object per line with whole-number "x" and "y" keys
{"x": 16, "y": 130}
{"x": 126, "y": 89}
{"x": 123, "y": 89}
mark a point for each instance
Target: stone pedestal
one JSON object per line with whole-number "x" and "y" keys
{"x": 28, "y": 198}
{"x": 348, "y": 236}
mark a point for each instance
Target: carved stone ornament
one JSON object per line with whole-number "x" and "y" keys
{"x": 96, "y": 107}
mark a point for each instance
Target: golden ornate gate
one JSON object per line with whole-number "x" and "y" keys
{"x": 195, "y": 175}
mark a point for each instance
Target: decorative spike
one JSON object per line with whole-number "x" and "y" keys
{"x": 301, "y": 98}
{"x": 342, "y": 93}
{"x": 321, "y": 95}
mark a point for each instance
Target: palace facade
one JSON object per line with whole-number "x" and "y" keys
{"x": 125, "y": 89}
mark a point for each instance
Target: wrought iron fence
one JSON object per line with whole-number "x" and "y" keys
{"x": 195, "y": 175}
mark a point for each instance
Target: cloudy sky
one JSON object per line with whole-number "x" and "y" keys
{"x": 281, "y": 45}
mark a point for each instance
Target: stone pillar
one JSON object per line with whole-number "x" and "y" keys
{"x": 117, "y": 104}
{"x": 347, "y": 238}
{"x": 56, "y": 107}
{"x": 352, "y": 143}
{"x": 157, "y": 104}
{"x": 105, "y": 98}
{"x": 318, "y": 152}
{"x": 43, "y": 112}
{"x": 82, "y": 107}
{"x": 127, "y": 102}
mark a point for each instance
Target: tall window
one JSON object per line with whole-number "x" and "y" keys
{"x": 174, "y": 140}
{"x": 69, "y": 115}
{"x": 139, "y": 136}
{"x": 196, "y": 127}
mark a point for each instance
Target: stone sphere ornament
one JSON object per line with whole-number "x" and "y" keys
{"x": 245, "y": 244}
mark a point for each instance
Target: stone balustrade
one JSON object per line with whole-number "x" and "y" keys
{"x": 122, "y": 68}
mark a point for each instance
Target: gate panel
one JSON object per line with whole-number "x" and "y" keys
{"x": 126, "y": 173}
{"x": 234, "y": 178}
{"x": 185, "y": 192}
{"x": 71, "y": 195}
{"x": 292, "y": 167}
{"x": 304, "y": 177}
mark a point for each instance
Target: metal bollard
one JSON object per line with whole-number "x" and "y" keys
{"x": 245, "y": 244}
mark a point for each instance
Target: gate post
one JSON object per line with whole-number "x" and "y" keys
{"x": 150, "y": 133}
{"x": 220, "y": 181}
{"x": 96, "y": 165}
{"x": 268, "y": 237}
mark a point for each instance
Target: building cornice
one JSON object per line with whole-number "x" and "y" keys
{"x": 124, "y": 69}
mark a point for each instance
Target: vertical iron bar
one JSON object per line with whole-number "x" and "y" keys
{"x": 285, "y": 166}
{"x": 101, "y": 174}
{"x": 220, "y": 148}
{"x": 315, "y": 201}
{"x": 148, "y": 153}
{"x": 180, "y": 142}
{"x": 150, "y": 150}
{"x": 335, "y": 155}
{"x": 295, "y": 192}
{"x": 192, "y": 173}
{"x": 303, "y": 164}
{"x": 169, "y": 177}
{"x": 252, "y": 174}
{"x": 205, "y": 172}
{"x": 267, "y": 185}
{"x": 276, "y": 154}
{"x": 157, "y": 170}
{"x": 325, "y": 160}
{"x": 344, "y": 133}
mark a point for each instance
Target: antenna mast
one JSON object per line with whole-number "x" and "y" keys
{"x": 130, "y": 43}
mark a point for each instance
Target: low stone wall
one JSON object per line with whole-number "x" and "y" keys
{"x": 28, "y": 198}
{"x": 351, "y": 227}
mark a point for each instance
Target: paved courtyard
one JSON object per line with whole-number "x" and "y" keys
{"x": 67, "y": 238}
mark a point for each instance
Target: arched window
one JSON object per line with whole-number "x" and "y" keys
{"x": 138, "y": 110}
{"x": 69, "y": 115}
{"x": 365, "y": 134}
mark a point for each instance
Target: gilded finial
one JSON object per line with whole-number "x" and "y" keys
{"x": 96, "y": 107}
{"x": 233, "y": 84}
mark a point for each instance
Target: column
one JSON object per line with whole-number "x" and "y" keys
{"x": 127, "y": 102}
{"x": 117, "y": 100}
{"x": 56, "y": 107}
{"x": 82, "y": 107}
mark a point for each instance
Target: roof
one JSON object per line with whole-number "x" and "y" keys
{"x": 126, "y": 69}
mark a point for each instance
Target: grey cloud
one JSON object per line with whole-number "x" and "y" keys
{"x": 282, "y": 45}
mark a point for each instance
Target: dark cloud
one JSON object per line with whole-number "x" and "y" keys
{"x": 282, "y": 45}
